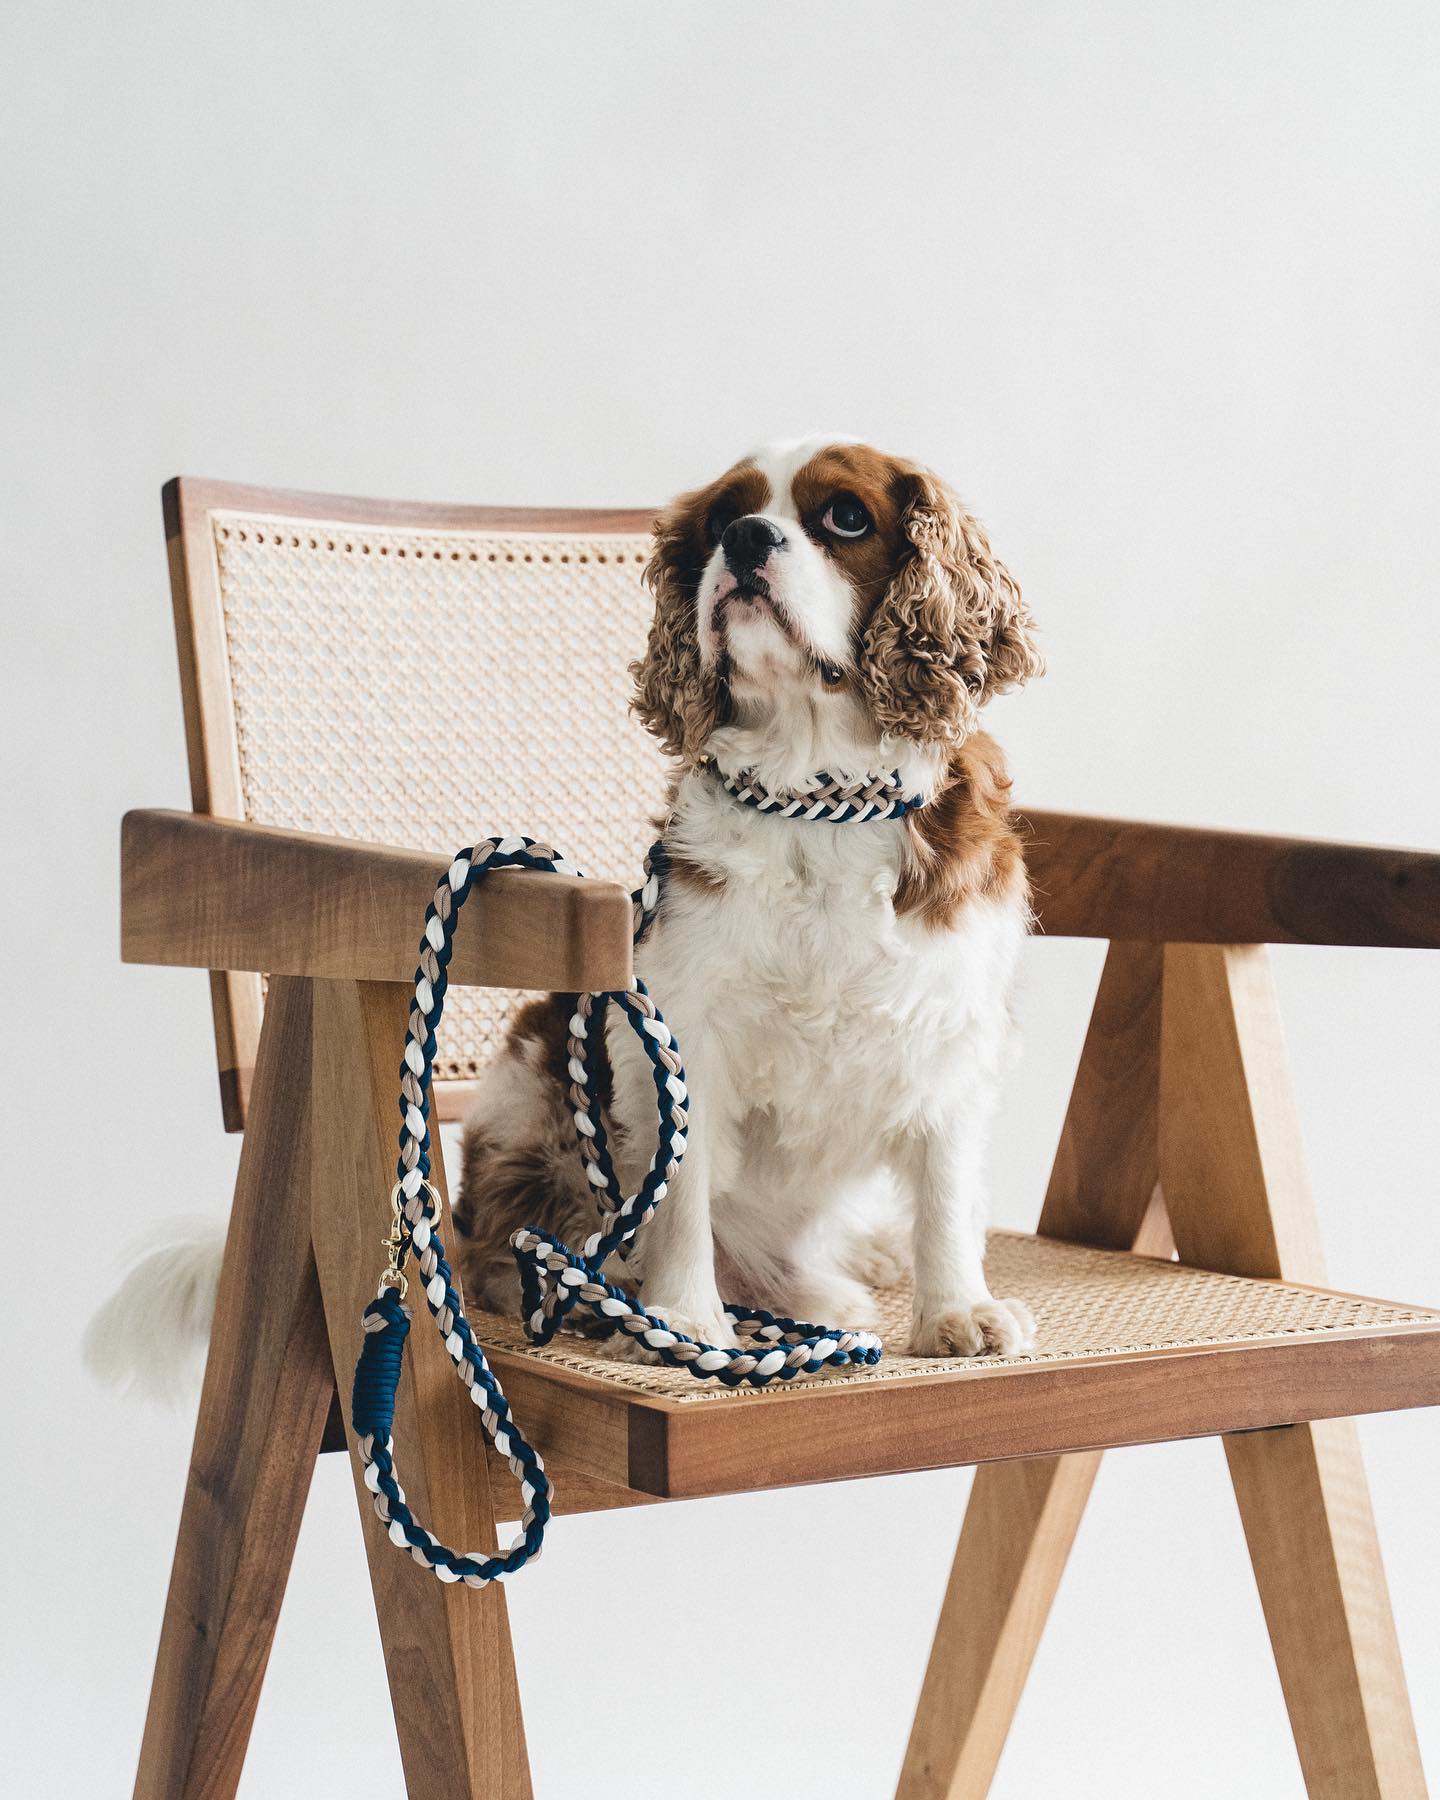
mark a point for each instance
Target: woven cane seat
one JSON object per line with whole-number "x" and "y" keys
{"x": 520, "y": 644}
{"x": 1131, "y": 1349}
{"x": 1087, "y": 1303}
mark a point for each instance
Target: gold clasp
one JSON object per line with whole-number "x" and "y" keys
{"x": 397, "y": 1244}
{"x": 395, "y": 1247}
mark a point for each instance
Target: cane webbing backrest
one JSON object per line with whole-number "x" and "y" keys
{"x": 419, "y": 676}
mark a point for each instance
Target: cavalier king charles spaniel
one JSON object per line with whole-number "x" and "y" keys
{"x": 840, "y": 992}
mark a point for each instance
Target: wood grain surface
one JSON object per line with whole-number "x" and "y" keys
{"x": 221, "y": 894}
{"x": 268, "y": 1387}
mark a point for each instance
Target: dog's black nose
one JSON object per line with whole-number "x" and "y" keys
{"x": 748, "y": 541}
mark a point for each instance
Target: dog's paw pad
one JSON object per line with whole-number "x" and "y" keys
{"x": 989, "y": 1328}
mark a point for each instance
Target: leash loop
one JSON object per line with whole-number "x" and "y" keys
{"x": 554, "y": 1279}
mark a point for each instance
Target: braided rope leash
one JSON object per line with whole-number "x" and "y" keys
{"x": 554, "y": 1280}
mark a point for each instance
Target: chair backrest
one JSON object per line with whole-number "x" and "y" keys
{"x": 421, "y": 675}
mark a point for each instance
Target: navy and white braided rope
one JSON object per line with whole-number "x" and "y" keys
{"x": 554, "y": 1279}
{"x": 825, "y": 797}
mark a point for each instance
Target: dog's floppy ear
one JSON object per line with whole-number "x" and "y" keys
{"x": 950, "y": 631}
{"x": 676, "y": 697}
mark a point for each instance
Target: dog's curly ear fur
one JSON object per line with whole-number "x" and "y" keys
{"x": 950, "y": 631}
{"x": 675, "y": 696}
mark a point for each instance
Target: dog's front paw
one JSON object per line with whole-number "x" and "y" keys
{"x": 833, "y": 1300}
{"x": 988, "y": 1328}
{"x": 706, "y": 1327}
{"x": 625, "y": 1346}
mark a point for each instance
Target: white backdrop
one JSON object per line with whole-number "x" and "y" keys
{"x": 1155, "y": 284}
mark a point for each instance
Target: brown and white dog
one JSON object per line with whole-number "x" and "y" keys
{"x": 840, "y": 992}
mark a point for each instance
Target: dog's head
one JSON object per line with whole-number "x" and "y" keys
{"x": 820, "y": 571}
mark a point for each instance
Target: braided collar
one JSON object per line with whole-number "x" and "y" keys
{"x": 824, "y": 797}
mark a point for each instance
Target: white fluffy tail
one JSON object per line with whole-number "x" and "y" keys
{"x": 150, "y": 1335}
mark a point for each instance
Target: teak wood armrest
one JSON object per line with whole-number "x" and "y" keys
{"x": 198, "y": 892}
{"x": 1176, "y": 884}
{"x": 205, "y": 893}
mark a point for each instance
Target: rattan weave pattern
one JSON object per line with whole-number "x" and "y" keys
{"x": 1086, "y": 1303}
{"x": 518, "y": 642}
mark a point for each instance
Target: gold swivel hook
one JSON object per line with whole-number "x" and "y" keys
{"x": 397, "y": 1243}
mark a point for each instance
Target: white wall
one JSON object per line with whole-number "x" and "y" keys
{"x": 1157, "y": 285}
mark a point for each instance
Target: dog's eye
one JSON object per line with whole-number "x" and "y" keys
{"x": 845, "y": 517}
{"x": 722, "y": 513}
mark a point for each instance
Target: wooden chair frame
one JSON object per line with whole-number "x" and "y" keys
{"x": 1181, "y": 1133}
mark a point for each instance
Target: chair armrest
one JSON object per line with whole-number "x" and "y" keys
{"x": 223, "y": 894}
{"x": 1118, "y": 878}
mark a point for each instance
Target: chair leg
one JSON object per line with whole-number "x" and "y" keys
{"x": 1306, "y": 1511}
{"x": 1022, "y": 1517}
{"x": 268, "y": 1387}
{"x": 1019, "y": 1526}
{"x": 1239, "y": 1199}
{"x": 447, "y": 1648}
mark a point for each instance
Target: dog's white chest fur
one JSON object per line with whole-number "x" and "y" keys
{"x": 819, "y": 1029}
{"x": 839, "y": 991}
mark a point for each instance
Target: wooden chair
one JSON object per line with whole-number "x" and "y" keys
{"x": 358, "y": 670}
